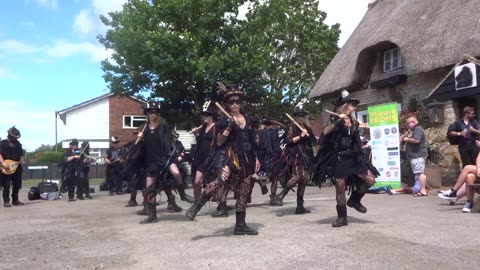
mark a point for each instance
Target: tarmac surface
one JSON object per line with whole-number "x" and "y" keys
{"x": 398, "y": 232}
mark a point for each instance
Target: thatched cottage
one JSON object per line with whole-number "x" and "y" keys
{"x": 406, "y": 48}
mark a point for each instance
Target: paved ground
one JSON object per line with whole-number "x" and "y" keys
{"x": 398, "y": 232}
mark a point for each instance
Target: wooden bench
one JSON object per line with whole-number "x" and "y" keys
{"x": 476, "y": 189}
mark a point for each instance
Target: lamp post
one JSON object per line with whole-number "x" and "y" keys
{"x": 56, "y": 137}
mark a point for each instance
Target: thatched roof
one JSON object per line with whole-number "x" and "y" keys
{"x": 430, "y": 33}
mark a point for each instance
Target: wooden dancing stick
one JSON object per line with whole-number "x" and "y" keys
{"x": 332, "y": 113}
{"x": 223, "y": 110}
{"x": 143, "y": 130}
{"x": 293, "y": 121}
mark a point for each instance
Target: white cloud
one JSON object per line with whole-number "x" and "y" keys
{"x": 347, "y": 17}
{"x": 103, "y": 7}
{"x": 6, "y": 74}
{"x": 87, "y": 22}
{"x": 13, "y": 46}
{"x": 52, "y": 4}
{"x": 63, "y": 48}
{"x": 36, "y": 126}
{"x": 84, "y": 23}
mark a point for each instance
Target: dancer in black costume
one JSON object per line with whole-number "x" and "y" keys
{"x": 234, "y": 161}
{"x": 298, "y": 157}
{"x": 205, "y": 146}
{"x": 340, "y": 158}
{"x": 157, "y": 152}
{"x": 269, "y": 152}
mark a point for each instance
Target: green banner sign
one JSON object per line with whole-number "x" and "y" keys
{"x": 385, "y": 114}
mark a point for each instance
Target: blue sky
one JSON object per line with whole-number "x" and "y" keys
{"x": 50, "y": 58}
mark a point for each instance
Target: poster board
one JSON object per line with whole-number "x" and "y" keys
{"x": 385, "y": 143}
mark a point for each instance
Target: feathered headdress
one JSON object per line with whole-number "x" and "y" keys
{"x": 299, "y": 108}
{"x": 209, "y": 108}
{"x": 345, "y": 98}
{"x": 232, "y": 90}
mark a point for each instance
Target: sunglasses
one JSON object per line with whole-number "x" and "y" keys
{"x": 233, "y": 101}
{"x": 152, "y": 112}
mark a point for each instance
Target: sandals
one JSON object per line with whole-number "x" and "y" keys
{"x": 420, "y": 194}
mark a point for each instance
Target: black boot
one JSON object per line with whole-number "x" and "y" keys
{"x": 144, "y": 211}
{"x": 262, "y": 181}
{"x": 17, "y": 202}
{"x": 222, "y": 210}
{"x": 263, "y": 186}
{"x": 241, "y": 227}
{"x": 131, "y": 204}
{"x": 300, "y": 209}
{"x": 354, "y": 201}
{"x": 274, "y": 201}
{"x": 152, "y": 214}
{"x": 172, "y": 205}
{"x": 342, "y": 216}
{"x": 197, "y": 205}
{"x": 279, "y": 197}
{"x": 184, "y": 196}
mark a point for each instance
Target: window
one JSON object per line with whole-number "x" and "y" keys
{"x": 362, "y": 116}
{"x": 133, "y": 121}
{"x": 392, "y": 59}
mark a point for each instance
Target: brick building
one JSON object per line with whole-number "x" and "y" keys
{"x": 100, "y": 118}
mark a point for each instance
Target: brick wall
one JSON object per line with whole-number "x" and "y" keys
{"x": 120, "y": 106}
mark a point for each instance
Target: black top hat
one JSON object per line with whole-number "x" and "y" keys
{"x": 151, "y": 106}
{"x": 14, "y": 132}
{"x": 266, "y": 121}
{"x": 299, "y": 110}
{"x": 345, "y": 98}
{"x": 115, "y": 139}
{"x": 209, "y": 108}
{"x": 233, "y": 90}
{"x": 74, "y": 142}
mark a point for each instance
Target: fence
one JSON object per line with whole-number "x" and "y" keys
{"x": 53, "y": 171}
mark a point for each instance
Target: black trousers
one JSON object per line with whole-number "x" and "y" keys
{"x": 115, "y": 177}
{"x": 72, "y": 179}
{"x": 83, "y": 187}
{"x": 468, "y": 154}
{"x": 15, "y": 181}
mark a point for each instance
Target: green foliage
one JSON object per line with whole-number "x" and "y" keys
{"x": 49, "y": 157}
{"x": 178, "y": 49}
{"x": 416, "y": 109}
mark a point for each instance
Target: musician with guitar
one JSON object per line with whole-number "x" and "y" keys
{"x": 11, "y": 159}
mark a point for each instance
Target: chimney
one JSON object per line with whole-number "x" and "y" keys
{"x": 372, "y": 4}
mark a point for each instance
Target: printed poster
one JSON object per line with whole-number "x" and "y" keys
{"x": 385, "y": 143}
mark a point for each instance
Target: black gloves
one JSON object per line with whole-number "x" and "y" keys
{"x": 230, "y": 123}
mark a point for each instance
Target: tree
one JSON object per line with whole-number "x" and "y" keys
{"x": 297, "y": 46}
{"x": 179, "y": 49}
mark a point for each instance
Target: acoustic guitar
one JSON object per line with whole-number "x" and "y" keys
{"x": 12, "y": 167}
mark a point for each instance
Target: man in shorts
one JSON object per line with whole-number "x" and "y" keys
{"x": 416, "y": 149}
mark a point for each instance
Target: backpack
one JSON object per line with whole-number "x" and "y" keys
{"x": 48, "y": 190}
{"x": 453, "y": 140}
{"x": 47, "y": 186}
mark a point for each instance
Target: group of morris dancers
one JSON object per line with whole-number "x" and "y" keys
{"x": 231, "y": 156}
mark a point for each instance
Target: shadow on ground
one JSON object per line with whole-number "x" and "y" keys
{"x": 226, "y": 232}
